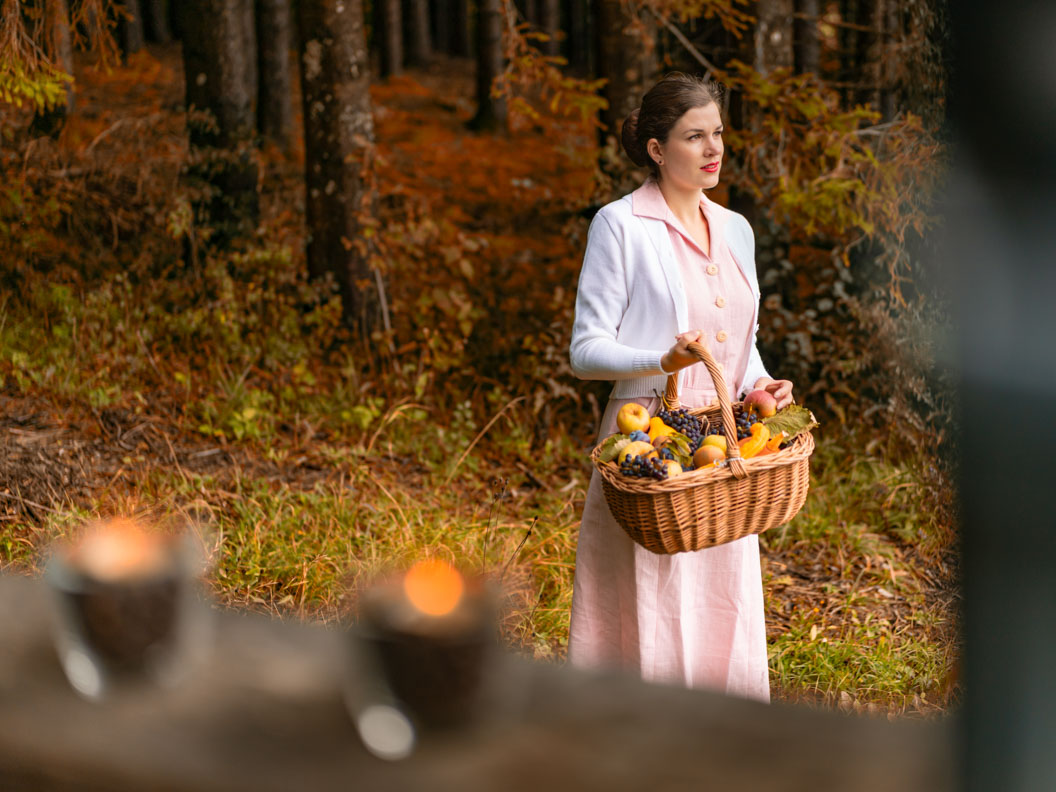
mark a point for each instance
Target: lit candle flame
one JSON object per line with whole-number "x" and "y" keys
{"x": 433, "y": 587}
{"x": 120, "y": 549}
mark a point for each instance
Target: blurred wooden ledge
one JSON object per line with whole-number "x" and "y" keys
{"x": 267, "y": 714}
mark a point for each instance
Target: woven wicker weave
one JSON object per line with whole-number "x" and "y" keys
{"x": 711, "y": 506}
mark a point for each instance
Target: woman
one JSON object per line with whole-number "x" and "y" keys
{"x": 665, "y": 266}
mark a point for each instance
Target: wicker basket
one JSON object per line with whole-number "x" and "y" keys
{"x": 711, "y": 506}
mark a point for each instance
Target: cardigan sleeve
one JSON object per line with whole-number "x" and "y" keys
{"x": 601, "y": 302}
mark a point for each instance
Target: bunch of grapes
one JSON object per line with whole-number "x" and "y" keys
{"x": 686, "y": 423}
{"x": 640, "y": 467}
{"x": 744, "y": 421}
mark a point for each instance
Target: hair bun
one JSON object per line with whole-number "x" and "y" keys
{"x": 629, "y": 137}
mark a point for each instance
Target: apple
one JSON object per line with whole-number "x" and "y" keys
{"x": 717, "y": 440}
{"x": 632, "y": 417}
{"x": 707, "y": 455}
{"x": 636, "y": 448}
{"x": 764, "y": 403}
{"x": 673, "y": 468}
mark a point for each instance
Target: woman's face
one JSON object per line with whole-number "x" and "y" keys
{"x": 692, "y": 156}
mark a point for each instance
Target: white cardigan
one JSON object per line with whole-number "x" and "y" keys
{"x": 631, "y": 301}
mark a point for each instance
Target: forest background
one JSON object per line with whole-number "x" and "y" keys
{"x": 302, "y": 274}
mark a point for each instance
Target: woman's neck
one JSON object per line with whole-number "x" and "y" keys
{"x": 683, "y": 203}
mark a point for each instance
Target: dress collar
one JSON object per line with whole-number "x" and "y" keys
{"x": 648, "y": 201}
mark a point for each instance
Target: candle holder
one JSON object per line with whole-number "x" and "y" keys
{"x": 125, "y": 607}
{"x": 432, "y": 634}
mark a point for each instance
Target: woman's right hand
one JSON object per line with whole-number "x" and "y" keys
{"x": 679, "y": 356}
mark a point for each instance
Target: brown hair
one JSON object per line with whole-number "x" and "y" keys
{"x": 662, "y": 106}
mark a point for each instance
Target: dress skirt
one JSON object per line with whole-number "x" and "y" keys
{"x": 690, "y": 619}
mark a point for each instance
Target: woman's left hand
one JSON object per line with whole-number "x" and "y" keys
{"x": 781, "y": 390}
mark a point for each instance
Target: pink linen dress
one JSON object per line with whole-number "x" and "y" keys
{"x": 691, "y": 619}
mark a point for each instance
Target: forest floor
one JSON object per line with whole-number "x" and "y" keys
{"x": 297, "y": 511}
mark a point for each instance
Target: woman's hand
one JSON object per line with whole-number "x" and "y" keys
{"x": 679, "y": 356}
{"x": 781, "y": 390}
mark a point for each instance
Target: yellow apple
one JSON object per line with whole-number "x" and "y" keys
{"x": 673, "y": 468}
{"x": 636, "y": 448}
{"x": 632, "y": 417}
{"x": 717, "y": 440}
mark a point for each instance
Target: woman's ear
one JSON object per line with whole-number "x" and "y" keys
{"x": 653, "y": 149}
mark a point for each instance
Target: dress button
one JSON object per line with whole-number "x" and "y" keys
{"x": 721, "y": 302}
{"x": 720, "y": 336}
{"x": 712, "y": 269}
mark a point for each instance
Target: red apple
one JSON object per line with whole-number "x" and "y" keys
{"x": 764, "y": 403}
{"x": 632, "y": 417}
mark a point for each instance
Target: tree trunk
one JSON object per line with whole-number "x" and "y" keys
{"x": 460, "y": 39}
{"x": 249, "y": 46}
{"x": 156, "y": 20}
{"x": 130, "y": 27}
{"x": 773, "y": 35}
{"x": 274, "y": 95}
{"x": 416, "y": 22}
{"x": 390, "y": 27}
{"x": 338, "y": 133}
{"x": 50, "y": 122}
{"x": 441, "y": 13}
{"x": 807, "y": 53}
{"x": 491, "y": 112}
{"x": 577, "y": 46}
{"x": 850, "y": 52}
{"x": 177, "y": 13}
{"x": 627, "y": 62}
{"x": 530, "y": 12}
{"x": 216, "y": 66}
{"x": 890, "y": 89}
{"x": 551, "y": 25}
{"x": 872, "y": 48}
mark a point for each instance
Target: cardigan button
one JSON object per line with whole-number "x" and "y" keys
{"x": 720, "y": 301}
{"x": 712, "y": 269}
{"x": 720, "y": 336}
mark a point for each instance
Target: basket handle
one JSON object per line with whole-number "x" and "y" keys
{"x": 729, "y": 425}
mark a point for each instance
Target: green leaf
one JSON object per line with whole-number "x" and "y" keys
{"x": 612, "y": 445}
{"x": 793, "y": 420}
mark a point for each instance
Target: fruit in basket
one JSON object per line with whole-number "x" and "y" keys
{"x": 657, "y": 428}
{"x": 707, "y": 455}
{"x": 755, "y": 442}
{"x": 775, "y": 442}
{"x": 635, "y": 448}
{"x": 685, "y": 423}
{"x": 638, "y": 434}
{"x": 673, "y": 468}
{"x": 642, "y": 467}
{"x": 717, "y": 440}
{"x": 762, "y": 402}
{"x": 632, "y": 417}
